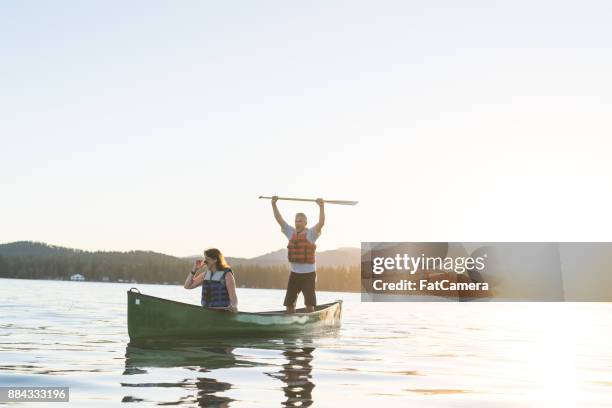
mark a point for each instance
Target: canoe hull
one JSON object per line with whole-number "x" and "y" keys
{"x": 152, "y": 317}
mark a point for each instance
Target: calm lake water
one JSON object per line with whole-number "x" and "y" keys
{"x": 386, "y": 354}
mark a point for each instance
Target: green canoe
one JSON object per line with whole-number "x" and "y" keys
{"x": 152, "y": 317}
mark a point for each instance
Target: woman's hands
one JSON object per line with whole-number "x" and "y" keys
{"x": 192, "y": 280}
{"x": 197, "y": 265}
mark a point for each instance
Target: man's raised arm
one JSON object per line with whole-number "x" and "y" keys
{"x": 277, "y": 214}
{"x": 321, "y": 215}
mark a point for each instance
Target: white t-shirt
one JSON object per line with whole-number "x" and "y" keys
{"x": 312, "y": 236}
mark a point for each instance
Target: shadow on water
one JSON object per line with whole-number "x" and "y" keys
{"x": 293, "y": 367}
{"x": 297, "y": 375}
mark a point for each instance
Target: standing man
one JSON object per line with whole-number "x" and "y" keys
{"x": 301, "y": 253}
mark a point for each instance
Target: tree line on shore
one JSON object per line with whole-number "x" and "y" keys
{"x": 47, "y": 262}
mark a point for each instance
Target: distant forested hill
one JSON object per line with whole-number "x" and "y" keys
{"x": 37, "y": 260}
{"x": 28, "y": 248}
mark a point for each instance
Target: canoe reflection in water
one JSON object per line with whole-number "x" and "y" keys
{"x": 149, "y": 360}
{"x": 141, "y": 358}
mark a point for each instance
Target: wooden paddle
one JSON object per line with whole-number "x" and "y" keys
{"x": 341, "y": 202}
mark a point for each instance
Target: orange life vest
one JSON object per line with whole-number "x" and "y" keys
{"x": 300, "y": 249}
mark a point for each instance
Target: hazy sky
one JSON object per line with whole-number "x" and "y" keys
{"x": 156, "y": 125}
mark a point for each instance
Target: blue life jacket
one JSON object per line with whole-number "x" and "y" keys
{"x": 214, "y": 292}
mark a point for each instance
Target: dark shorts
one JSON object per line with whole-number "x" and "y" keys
{"x": 301, "y": 282}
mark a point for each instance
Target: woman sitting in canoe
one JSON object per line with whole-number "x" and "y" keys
{"x": 217, "y": 280}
